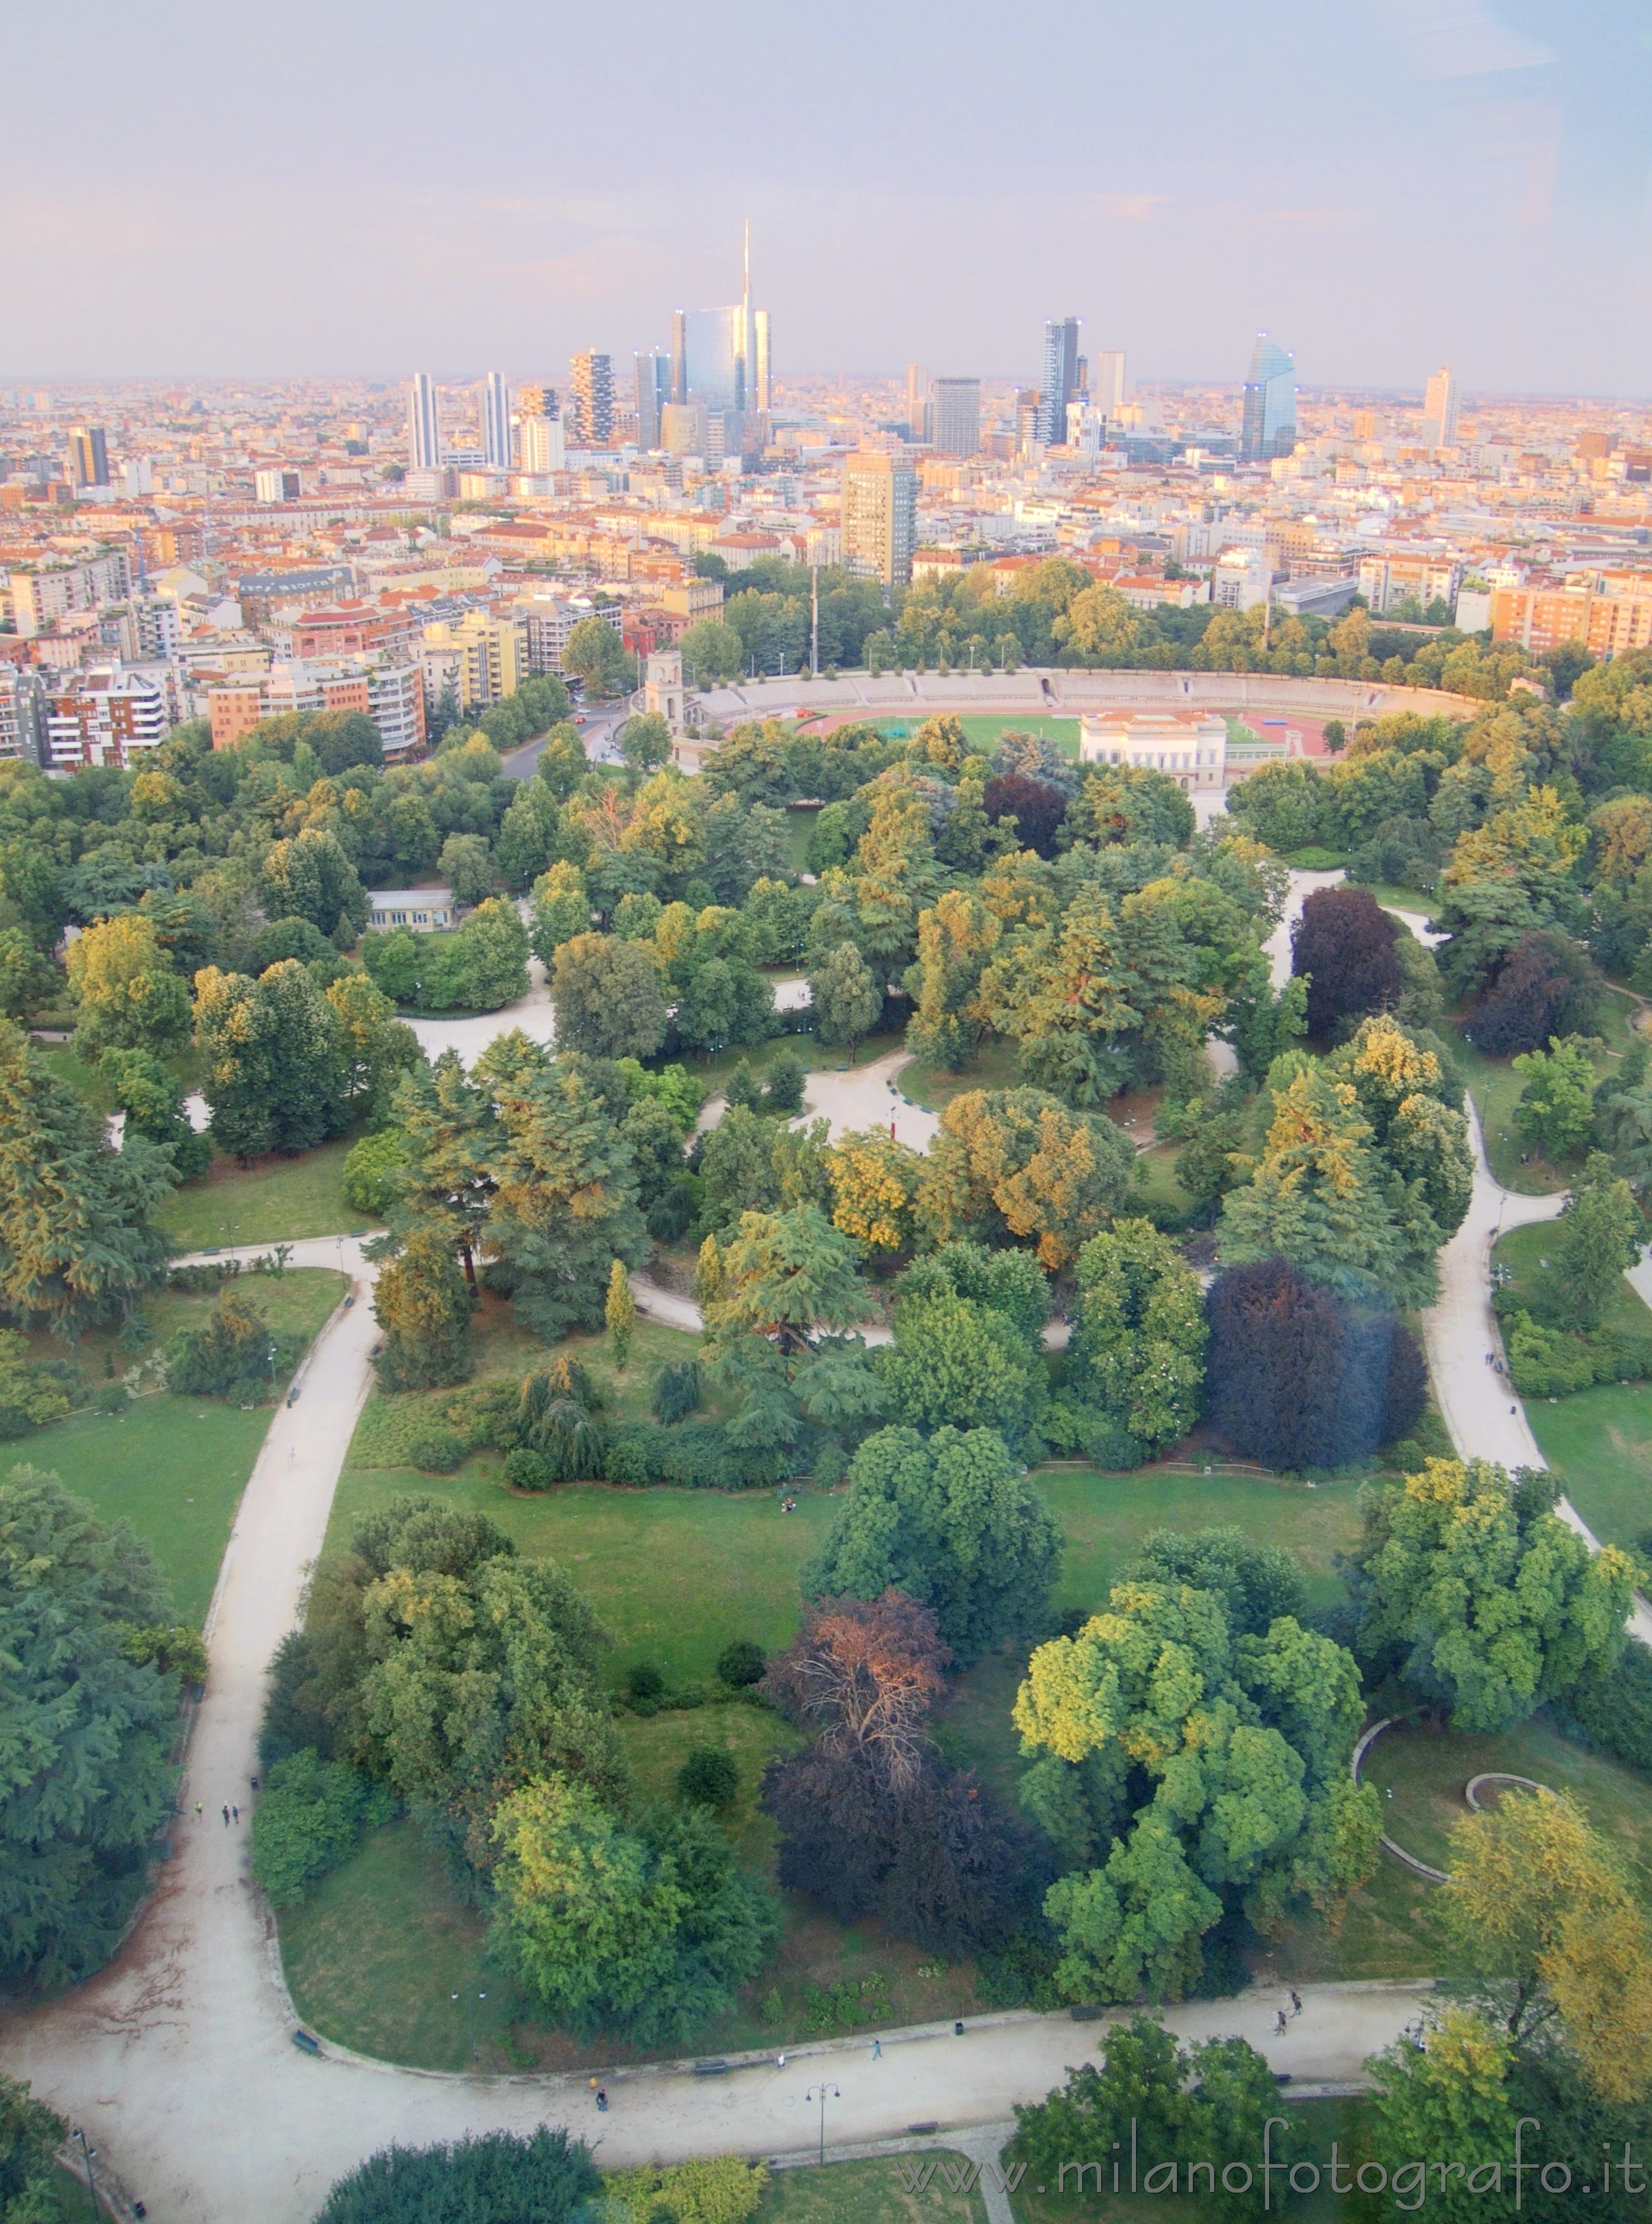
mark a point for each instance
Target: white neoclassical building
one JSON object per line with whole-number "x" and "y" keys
{"x": 1191, "y": 746}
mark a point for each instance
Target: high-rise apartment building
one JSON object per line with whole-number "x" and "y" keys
{"x": 88, "y": 456}
{"x": 537, "y": 402}
{"x": 880, "y": 517}
{"x": 495, "y": 398}
{"x": 1268, "y": 428}
{"x": 544, "y": 449}
{"x": 917, "y": 402}
{"x": 652, "y": 381}
{"x": 1107, "y": 380}
{"x": 1440, "y": 409}
{"x": 591, "y": 400}
{"x": 1060, "y": 380}
{"x": 424, "y": 428}
{"x": 955, "y": 416}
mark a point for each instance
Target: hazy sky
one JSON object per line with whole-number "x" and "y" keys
{"x": 299, "y": 187}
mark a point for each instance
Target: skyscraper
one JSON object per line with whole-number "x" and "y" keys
{"x": 761, "y": 371}
{"x": 1440, "y": 409}
{"x": 495, "y": 398}
{"x": 880, "y": 517}
{"x": 591, "y": 400}
{"x": 1107, "y": 380}
{"x": 1269, "y": 424}
{"x": 1060, "y": 380}
{"x": 543, "y": 447}
{"x": 424, "y": 430}
{"x": 721, "y": 356}
{"x": 917, "y": 401}
{"x": 88, "y": 457}
{"x": 955, "y": 416}
{"x": 652, "y": 381}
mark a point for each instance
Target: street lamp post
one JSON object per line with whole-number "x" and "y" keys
{"x": 92, "y": 2182}
{"x": 823, "y": 2093}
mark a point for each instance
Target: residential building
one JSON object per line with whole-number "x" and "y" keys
{"x": 23, "y": 713}
{"x": 880, "y": 512}
{"x": 955, "y": 416}
{"x": 1242, "y": 579}
{"x": 548, "y": 620}
{"x": 41, "y": 596}
{"x": 1440, "y": 409}
{"x": 591, "y": 400}
{"x": 917, "y": 402}
{"x": 1060, "y": 383}
{"x": 88, "y": 457}
{"x": 424, "y": 428}
{"x": 389, "y": 691}
{"x": 1608, "y": 617}
{"x": 1107, "y": 380}
{"x": 495, "y": 401}
{"x": 440, "y": 485}
{"x": 1269, "y": 423}
{"x": 395, "y": 704}
{"x": 138, "y": 478}
{"x": 1388, "y": 580}
{"x": 652, "y": 381}
{"x": 275, "y": 486}
{"x": 544, "y": 449}
{"x": 153, "y": 628}
{"x": 107, "y": 716}
{"x": 1190, "y": 745}
{"x": 423, "y": 911}
{"x": 484, "y": 659}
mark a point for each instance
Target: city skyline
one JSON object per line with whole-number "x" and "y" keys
{"x": 1508, "y": 139}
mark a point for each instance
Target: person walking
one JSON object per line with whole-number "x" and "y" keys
{"x": 1279, "y": 2023}
{"x": 226, "y": 1815}
{"x": 235, "y": 1811}
{"x": 1296, "y": 2001}
{"x": 877, "y": 2049}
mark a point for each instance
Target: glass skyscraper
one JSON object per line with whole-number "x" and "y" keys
{"x": 1269, "y": 427}
{"x": 1060, "y": 380}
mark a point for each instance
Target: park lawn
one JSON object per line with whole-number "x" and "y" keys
{"x": 813, "y": 1055}
{"x": 1409, "y": 902}
{"x": 865, "y": 2192}
{"x": 296, "y": 1303}
{"x": 993, "y": 1066}
{"x": 800, "y": 833}
{"x": 86, "y": 1081}
{"x": 1600, "y": 1444}
{"x": 1154, "y": 1189}
{"x": 1496, "y": 1088}
{"x": 656, "y": 1745}
{"x": 273, "y": 1201}
{"x": 175, "y": 1468}
{"x": 1427, "y": 1770}
{"x": 1352, "y": 2123}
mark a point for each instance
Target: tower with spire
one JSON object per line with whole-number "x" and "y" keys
{"x": 720, "y": 357}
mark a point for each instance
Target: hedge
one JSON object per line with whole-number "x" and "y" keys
{"x": 1545, "y": 1363}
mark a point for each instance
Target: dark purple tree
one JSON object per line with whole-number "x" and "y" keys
{"x": 1344, "y": 942}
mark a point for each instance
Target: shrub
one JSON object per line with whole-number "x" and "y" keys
{"x": 691, "y": 1455}
{"x": 308, "y": 1819}
{"x": 202, "y": 1281}
{"x": 437, "y": 1451}
{"x": 1083, "y": 1431}
{"x": 544, "y": 2179}
{"x": 528, "y": 1470}
{"x": 675, "y": 1392}
{"x": 741, "y": 1664}
{"x": 708, "y": 1777}
{"x": 710, "y": 2189}
{"x": 645, "y": 1679}
{"x": 670, "y": 1215}
{"x": 32, "y": 1391}
{"x": 370, "y": 1170}
{"x": 110, "y": 1398}
{"x": 235, "y": 1356}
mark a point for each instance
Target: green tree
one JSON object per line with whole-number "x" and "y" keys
{"x": 1601, "y": 1234}
{"x": 1555, "y": 1114}
{"x": 529, "y": 834}
{"x": 955, "y": 1361}
{"x": 785, "y": 1275}
{"x": 951, "y": 1520}
{"x": 596, "y": 654}
{"x": 421, "y": 1302}
{"x": 1449, "y": 2097}
{"x": 619, "y": 1313}
{"x": 30, "y": 2135}
{"x": 126, "y": 994}
{"x": 452, "y": 1137}
{"x": 1014, "y": 1164}
{"x": 272, "y": 1069}
{"x": 543, "y": 2177}
{"x": 1138, "y": 1353}
{"x": 310, "y": 876}
{"x": 562, "y": 762}
{"x": 845, "y": 996}
{"x": 85, "y": 1775}
{"x": 712, "y": 653}
{"x": 955, "y": 939}
{"x": 608, "y": 996}
{"x": 467, "y": 865}
{"x": 565, "y": 1206}
{"x": 645, "y": 742}
{"x": 76, "y": 1247}
{"x": 1472, "y": 1589}
{"x": 646, "y": 1933}
{"x": 374, "y": 1048}
{"x": 561, "y": 909}
{"x": 154, "y": 1104}
{"x": 27, "y": 978}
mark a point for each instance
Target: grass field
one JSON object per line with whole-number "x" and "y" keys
{"x": 934, "y": 1087}
{"x": 1600, "y": 1444}
{"x": 175, "y": 1468}
{"x": 984, "y": 733}
{"x": 1496, "y": 1088}
{"x": 1427, "y": 1770}
{"x": 271, "y": 1202}
{"x": 863, "y": 2193}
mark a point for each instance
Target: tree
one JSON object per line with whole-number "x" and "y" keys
{"x": 126, "y": 994}
{"x": 1178, "y": 1764}
{"x": 374, "y": 1048}
{"x": 562, "y": 763}
{"x": 1139, "y": 1350}
{"x": 645, "y": 742}
{"x": 785, "y": 1276}
{"x": 564, "y": 1205}
{"x": 958, "y": 1361}
{"x": 274, "y": 1073}
{"x": 595, "y": 654}
{"x": 561, "y": 909}
{"x": 955, "y": 939}
{"x": 620, "y": 1314}
{"x": 712, "y": 653}
{"x": 309, "y": 1819}
{"x": 344, "y": 738}
{"x": 864, "y": 1673}
{"x": 1546, "y": 1924}
{"x": 1170, "y": 2110}
{"x": 30, "y": 2135}
{"x": 1470, "y": 1588}
{"x": 484, "y": 964}
{"x": 32, "y": 1394}
{"x": 1256, "y": 1583}
{"x": 467, "y": 865}
{"x": 608, "y": 997}
{"x": 708, "y": 1777}
{"x": 154, "y": 1104}
{"x": 1544, "y": 986}
{"x": 309, "y": 876}
{"x": 232, "y": 1354}
{"x": 423, "y": 1304}
{"x": 544, "y": 2177}
{"x": 1601, "y": 1234}
{"x": 1299, "y": 1378}
{"x": 451, "y": 1133}
{"x": 875, "y": 1189}
{"x": 845, "y": 996}
{"x": 1449, "y": 2096}
{"x": 1344, "y": 943}
{"x": 646, "y": 1933}
{"x": 1556, "y": 1111}
{"x": 1035, "y": 809}
{"x": 85, "y": 1775}
{"x": 27, "y": 978}
{"x": 951, "y": 1520}
{"x": 1014, "y": 1164}
{"x": 76, "y": 1247}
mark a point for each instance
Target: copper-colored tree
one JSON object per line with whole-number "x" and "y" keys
{"x": 864, "y": 1673}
